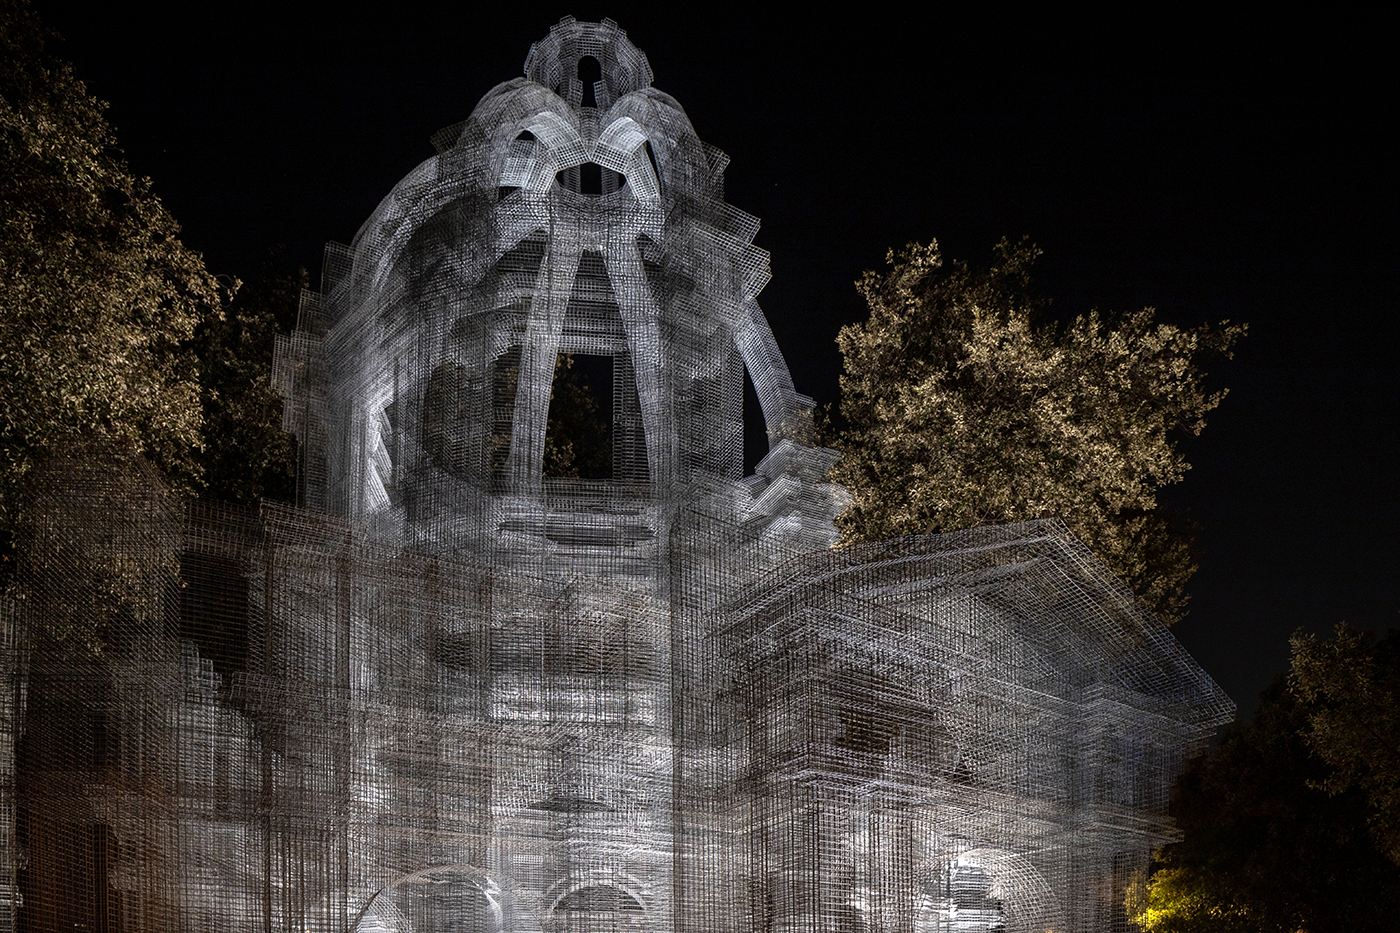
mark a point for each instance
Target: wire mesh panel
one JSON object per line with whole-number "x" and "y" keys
{"x": 497, "y": 673}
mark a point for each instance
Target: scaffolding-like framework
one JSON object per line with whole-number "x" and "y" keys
{"x": 452, "y": 692}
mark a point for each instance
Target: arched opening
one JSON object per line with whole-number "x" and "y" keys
{"x": 445, "y": 899}
{"x": 987, "y": 891}
{"x": 597, "y": 908}
{"x": 599, "y": 898}
{"x": 965, "y": 899}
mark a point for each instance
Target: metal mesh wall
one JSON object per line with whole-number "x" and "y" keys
{"x": 451, "y": 692}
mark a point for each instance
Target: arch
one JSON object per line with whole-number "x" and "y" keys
{"x": 623, "y": 147}
{"x": 785, "y": 413}
{"x": 553, "y": 61}
{"x": 456, "y": 897}
{"x": 985, "y": 890}
{"x": 597, "y": 900}
{"x": 676, "y": 146}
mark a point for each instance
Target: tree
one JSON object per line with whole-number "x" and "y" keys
{"x": 1350, "y": 691}
{"x": 963, "y": 409}
{"x": 99, "y": 299}
{"x": 247, "y": 455}
{"x": 1264, "y": 847}
{"x": 1177, "y": 901}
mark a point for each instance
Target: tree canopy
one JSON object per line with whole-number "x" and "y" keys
{"x": 99, "y": 299}
{"x": 963, "y": 408}
{"x": 1265, "y": 846}
{"x": 247, "y": 456}
{"x": 1350, "y": 691}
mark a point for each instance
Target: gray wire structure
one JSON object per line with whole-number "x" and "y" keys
{"x": 455, "y": 693}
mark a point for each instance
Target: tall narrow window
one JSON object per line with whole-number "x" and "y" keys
{"x": 755, "y": 428}
{"x": 656, "y": 169}
{"x": 578, "y": 437}
{"x": 589, "y": 74}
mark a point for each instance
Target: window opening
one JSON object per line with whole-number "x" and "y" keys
{"x": 600, "y": 898}
{"x": 106, "y": 742}
{"x": 590, "y": 179}
{"x": 578, "y": 437}
{"x": 589, "y": 74}
{"x": 445, "y": 408}
{"x": 214, "y": 610}
{"x": 439, "y": 899}
{"x": 458, "y": 652}
{"x": 525, "y": 136}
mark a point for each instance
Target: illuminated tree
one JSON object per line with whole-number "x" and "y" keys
{"x": 1265, "y": 847}
{"x": 1178, "y": 900}
{"x": 962, "y": 409}
{"x": 247, "y": 455}
{"x": 98, "y": 297}
{"x": 1351, "y": 691}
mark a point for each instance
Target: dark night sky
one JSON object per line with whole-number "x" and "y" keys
{"x": 1220, "y": 168}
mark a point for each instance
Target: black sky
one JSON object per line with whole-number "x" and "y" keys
{"x": 1212, "y": 168}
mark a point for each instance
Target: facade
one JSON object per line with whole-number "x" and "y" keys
{"x": 455, "y": 691}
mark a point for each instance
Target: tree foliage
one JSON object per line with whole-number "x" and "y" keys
{"x": 1350, "y": 690}
{"x": 99, "y": 299}
{"x": 963, "y": 409}
{"x": 1175, "y": 901}
{"x": 247, "y": 455}
{"x": 1264, "y": 847}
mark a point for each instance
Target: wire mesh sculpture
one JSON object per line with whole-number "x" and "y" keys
{"x": 456, "y": 693}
